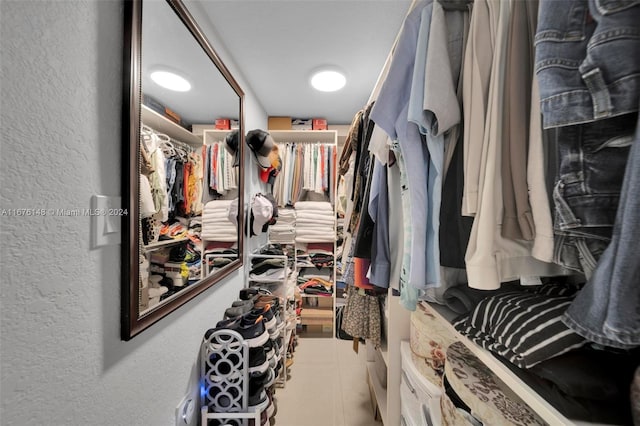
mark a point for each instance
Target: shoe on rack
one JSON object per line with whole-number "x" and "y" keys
{"x": 236, "y": 311}
{"x": 269, "y": 350}
{"x": 252, "y": 292}
{"x": 277, "y": 348}
{"x": 248, "y": 293}
{"x": 261, "y": 300}
{"x": 242, "y": 303}
{"x": 264, "y": 380}
{"x": 258, "y": 362}
{"x": 269, "y": 316}
{"x": 276, "y": 371}
{"x": 258, "y": 400}
{"x": 253, "y": 331}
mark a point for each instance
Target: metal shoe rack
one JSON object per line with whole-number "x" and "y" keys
{"x": 285, "y": 333}
{"x": 225, "y": 380}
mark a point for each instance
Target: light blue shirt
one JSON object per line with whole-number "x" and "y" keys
{"x": 391, "y": 113}
{"x": 380, "y": 269}
{"x": 434, "y": 108}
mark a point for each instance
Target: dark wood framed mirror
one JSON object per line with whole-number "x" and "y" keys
{"x": 182, "y": 182}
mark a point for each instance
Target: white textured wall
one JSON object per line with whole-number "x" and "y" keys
{"x": 62, "y": 361}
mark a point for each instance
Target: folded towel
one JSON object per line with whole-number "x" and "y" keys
{"x": 305, "y": 239}
{"x": 219, "y": 237}
{"x": 313, "y": 205}
{"x": 311, "y": 222}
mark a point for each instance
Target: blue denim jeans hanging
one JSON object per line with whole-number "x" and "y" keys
{"x": 607, "y": 309}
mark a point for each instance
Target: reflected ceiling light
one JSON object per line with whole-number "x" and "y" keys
{"x": 171, "y": 81}
{"x": 328, "y": 80}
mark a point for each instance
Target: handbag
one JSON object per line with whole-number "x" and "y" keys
{"x": 340, "y": 333}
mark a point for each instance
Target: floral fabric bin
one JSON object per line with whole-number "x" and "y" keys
{"x": 490, "y": 400}
{"x": 430, "y": 336}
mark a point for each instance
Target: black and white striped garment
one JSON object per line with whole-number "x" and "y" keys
{"x": 523, "y": 327}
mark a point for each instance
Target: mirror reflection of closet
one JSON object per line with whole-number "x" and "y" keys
{"x": 189, "y": 182}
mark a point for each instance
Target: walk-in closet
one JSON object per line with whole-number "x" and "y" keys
{"x": 320, "y": 213}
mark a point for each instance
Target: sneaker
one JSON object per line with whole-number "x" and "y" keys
{"x": 276, "y": 370}
{"x": 248, "y": 293}
{"x": 258, "y": 362}
{"x": 242, "y": 303}
{"x": 269, "y": 316}
{"x": 262, "y": 300}
{"x": 278, "y": 347}
{"x": 236, "y": 311}
{"x": 274, "y": 402}
{"x": 258, "y": 399}
{"x": 271, "y": 354}
{"x": 252, "y": 292}
{"x": 252, "y": 331}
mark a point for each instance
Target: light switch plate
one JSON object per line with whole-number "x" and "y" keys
{"x": 106, "y": 220}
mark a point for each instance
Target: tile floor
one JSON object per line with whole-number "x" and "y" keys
{"x": 328, "y": 386}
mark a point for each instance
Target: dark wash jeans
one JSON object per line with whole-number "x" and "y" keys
{"x": 587, "y": 59}
{"x": 592, "y": 160}
{"x": 607, "y": 309}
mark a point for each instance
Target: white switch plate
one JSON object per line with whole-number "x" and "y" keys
{"x": 106, "y": 220}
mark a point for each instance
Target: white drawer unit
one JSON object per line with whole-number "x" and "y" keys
{"x": 418, "y": 395}
{"x": 410, "y": 407}
{"x": 422, "y": 387}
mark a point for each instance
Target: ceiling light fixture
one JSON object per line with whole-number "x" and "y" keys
{"x": 328, "y": 80}
{"x": 170, "y": 80}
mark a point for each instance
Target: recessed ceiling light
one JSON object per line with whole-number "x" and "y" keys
{"x": 171, "y": 81}
{"x": 328, "y": 80}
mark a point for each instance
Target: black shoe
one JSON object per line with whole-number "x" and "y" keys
{"x": 267, "y": 312}
{"x": 252, "y": 331}
{"x": 247, "y": 293}
{"x": 258, "y": 399}
{"x": 258, "y": 362}
{"x": 242, "y": 303}
{"x": 236, "y": 311}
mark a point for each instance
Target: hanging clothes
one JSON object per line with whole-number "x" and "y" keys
{"x": 305, "y": 167}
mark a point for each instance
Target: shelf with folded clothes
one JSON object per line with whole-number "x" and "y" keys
{"x": 316, "y": 288}
{"x": 316, "y": 226}
{"x": 315, "y": 282}
{"x": 545, "y": 359}
{"x": 539, "y": 394}
{"x": 218, "y": 221}
{"x": 268, "y": 268}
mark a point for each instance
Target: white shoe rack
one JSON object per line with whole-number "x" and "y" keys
{"x": 225, "y": 380}
{"x": 284, "y": 334}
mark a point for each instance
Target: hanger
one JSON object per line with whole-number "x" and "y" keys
{"x": 455, "y": 4}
